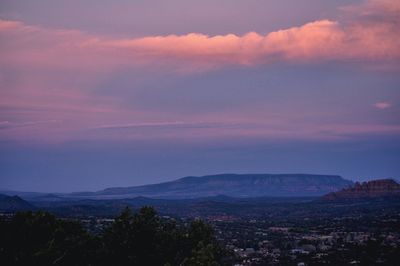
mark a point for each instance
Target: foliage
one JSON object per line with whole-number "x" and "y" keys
{"x": 142, "y": 238}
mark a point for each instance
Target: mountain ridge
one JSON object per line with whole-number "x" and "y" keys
{"x": 232, "y": 185}
{"x": 14, "y": 203}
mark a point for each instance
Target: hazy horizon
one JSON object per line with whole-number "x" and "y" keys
{"x": 177, "y": 178}
{"x": 97, "y": 94}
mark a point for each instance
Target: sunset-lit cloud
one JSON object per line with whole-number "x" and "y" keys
{"x": 382, "y": 105}
{"x": 371, "y": 35}
{"x": 311, "y": 41}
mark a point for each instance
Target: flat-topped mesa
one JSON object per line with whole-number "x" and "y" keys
{"x": 371, "y": 189}
{"x": 235, "y": 185}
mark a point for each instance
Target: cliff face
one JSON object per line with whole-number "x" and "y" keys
{"x": 370, "y": 189}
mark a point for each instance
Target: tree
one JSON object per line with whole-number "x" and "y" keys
{"x": 202, "y": 255}
{"x": 41, "y": 239}
{"x": 140, "y": 238}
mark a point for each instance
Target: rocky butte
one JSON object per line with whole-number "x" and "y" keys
{"x": 371, "y": 189}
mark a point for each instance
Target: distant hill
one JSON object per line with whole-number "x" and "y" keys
{"x": 47, "y": 197}
{"x": 14, "y": 203}
{"x": 367, "y": 190}
{"x": 231, "y": 185}
{"x": 22, "y": 194}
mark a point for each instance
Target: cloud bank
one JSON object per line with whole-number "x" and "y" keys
{"x": 371, "y": 32}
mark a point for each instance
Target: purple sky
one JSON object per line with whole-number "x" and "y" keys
{"x": 106, "y": 93}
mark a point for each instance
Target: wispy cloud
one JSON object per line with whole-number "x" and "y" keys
{"x": 382, "y": 105}
{"x": 242, "y": 129}
{"x": 167, "y": 124}
{"x": 7, "y": 124}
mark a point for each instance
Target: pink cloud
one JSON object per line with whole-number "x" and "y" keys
{"x": 363, "y": 37}
{"x": 313, "y": 40}
{"x": 382, "y": 105}
{"x": 9, "y": 25}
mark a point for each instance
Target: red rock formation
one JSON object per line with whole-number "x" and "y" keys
{"x": 370, "y": 189}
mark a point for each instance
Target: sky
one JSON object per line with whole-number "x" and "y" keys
{"x": 105, "y": 93}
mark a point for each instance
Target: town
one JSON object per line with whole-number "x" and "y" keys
{"x": 340, "y": 241}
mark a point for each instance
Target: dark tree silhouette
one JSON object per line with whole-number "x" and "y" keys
{"x": 142, "y": 238}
